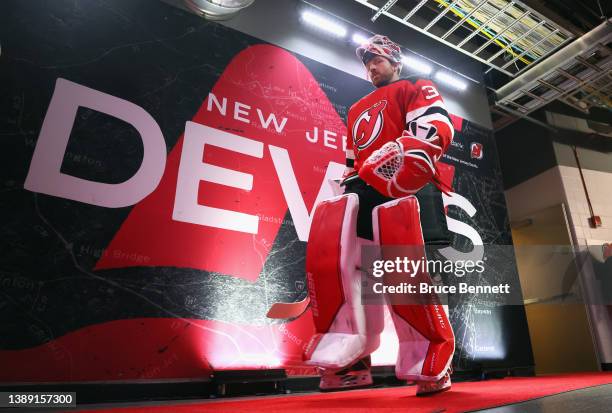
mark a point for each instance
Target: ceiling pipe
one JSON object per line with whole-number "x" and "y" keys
{"x": 560, "y": 58}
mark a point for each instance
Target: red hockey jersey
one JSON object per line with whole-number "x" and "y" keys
{"x": 408, "y": 104}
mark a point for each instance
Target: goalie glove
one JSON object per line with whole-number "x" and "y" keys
{"x": 401, "y": 167}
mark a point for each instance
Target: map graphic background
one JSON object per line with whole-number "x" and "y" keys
{"x": 128, "y": 320}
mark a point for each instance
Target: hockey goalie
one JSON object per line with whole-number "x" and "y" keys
{"x": 392, "y": 196}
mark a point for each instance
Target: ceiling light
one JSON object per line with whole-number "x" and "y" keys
{"x": 416, "y": 65}
{"x": 323, "y": 23}
{"x": 451, "y": 80}
{"x": 359, "y": 38}
{"x": 217, "y": 9}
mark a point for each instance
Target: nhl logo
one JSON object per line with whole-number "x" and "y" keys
{"x": 476, "y": 150}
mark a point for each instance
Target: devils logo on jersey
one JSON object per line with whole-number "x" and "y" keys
{"x": 368, "y": 125}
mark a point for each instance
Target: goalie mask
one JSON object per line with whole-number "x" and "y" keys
{"x": 382, "y": 46}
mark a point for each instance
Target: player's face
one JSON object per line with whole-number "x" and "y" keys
{"x": 381, "y": 71}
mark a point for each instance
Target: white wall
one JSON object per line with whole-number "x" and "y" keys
{"x": 599, "y": 186}
{"x": 562, "y": 184}
{"x": 542, "y": 191}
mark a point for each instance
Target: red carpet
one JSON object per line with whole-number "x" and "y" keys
{"x": 462, "y": 397}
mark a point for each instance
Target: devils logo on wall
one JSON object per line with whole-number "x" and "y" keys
{"x": 476, "y": 150}
{"x": 159, "y": 187}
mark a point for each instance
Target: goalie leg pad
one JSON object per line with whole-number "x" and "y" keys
{"x": 332, "y": 257}
{"x": 374, "y": 313}
{"x": 426, "y": 338}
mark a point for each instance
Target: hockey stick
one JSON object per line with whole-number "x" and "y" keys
{"x": 288, "y": 310}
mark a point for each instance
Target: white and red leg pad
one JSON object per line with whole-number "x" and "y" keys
{"x": 426, "y": 339}
{"x": 334, "y": 284}
{"x": 374, "y": 313}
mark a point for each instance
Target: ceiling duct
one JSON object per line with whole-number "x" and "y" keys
{"x": 217, "y": 9}
{"x": 573, "y": 123}
{"x": 579, "y": 75}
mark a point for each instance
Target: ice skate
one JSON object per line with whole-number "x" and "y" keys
{"x": 427, "y": 388}
{"x": 357, "y": 375}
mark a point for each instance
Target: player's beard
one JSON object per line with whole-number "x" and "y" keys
{"x": 382, "y": 79}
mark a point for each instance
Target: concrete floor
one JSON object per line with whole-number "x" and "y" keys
{"x": 592, "y": 399}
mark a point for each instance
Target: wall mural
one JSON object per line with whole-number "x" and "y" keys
{"x": 159, "y": 176}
